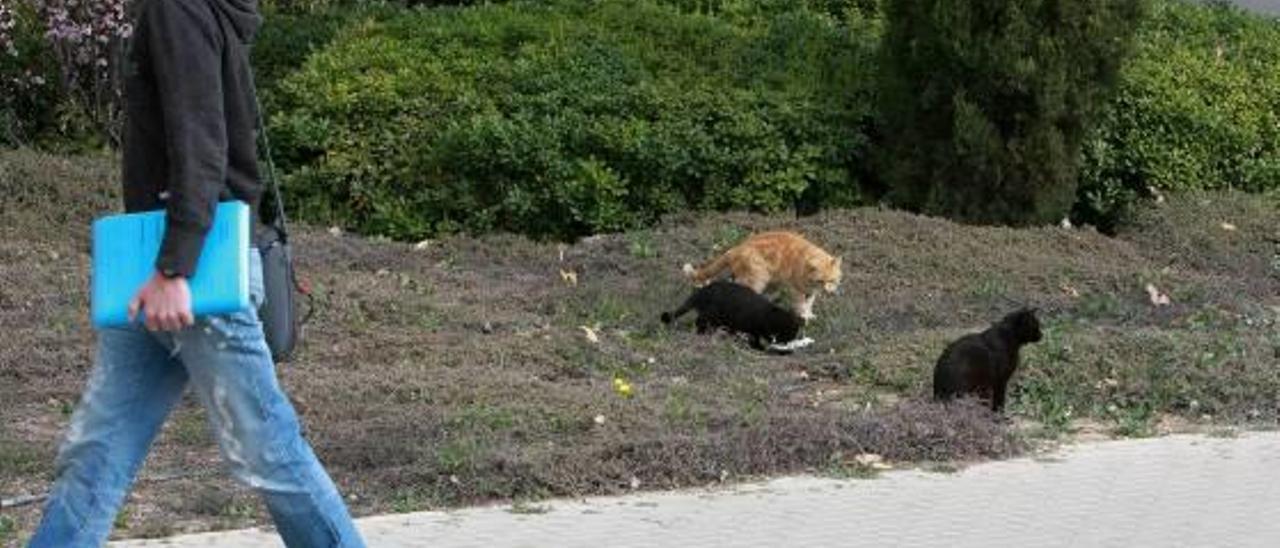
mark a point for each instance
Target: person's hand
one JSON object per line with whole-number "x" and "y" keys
{"x": 165, "y": 304}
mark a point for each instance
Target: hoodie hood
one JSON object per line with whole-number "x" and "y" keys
{"x": 243, "y": 15}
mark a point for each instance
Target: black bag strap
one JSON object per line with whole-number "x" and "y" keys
{"x": 273, "y": 184}
{"x": 264, "y": 145}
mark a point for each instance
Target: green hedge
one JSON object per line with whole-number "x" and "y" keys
{"x": 564, "y": 119}
{"x": 508, "y": 117}
{"x": 1198, "y": 108}
{"x": 287, "y": 38}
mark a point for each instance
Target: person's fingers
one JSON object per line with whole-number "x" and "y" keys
{"x": 162, "y": 321}
{"x": 186, "y": 319}
{"x": 134, "y": 305}
{"x": 151, "y": 318}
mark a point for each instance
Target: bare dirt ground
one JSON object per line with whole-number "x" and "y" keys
{"x": 459, "y": 371}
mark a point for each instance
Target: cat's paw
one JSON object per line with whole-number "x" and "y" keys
{"x": 688, "y": 270}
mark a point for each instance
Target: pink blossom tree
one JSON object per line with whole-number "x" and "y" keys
{"x": 88, "y": 38}
{"x": 87, "y": 41}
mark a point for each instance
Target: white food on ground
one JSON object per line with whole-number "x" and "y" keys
{"x": 793, "y": 345}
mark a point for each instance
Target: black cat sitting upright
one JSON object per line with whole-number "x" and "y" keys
{"x": 739, "y": 309}
{"x": 981, "y": 364}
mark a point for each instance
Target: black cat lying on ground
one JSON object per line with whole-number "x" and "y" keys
{"x": 739, "y": 309}
{"x": 980, "y": 364}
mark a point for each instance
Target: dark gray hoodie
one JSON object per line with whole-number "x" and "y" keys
{"x": 190, "y": 118}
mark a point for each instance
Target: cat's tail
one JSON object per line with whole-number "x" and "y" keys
{"x": 707, "y": 272}
{"x": 668, "y": 317}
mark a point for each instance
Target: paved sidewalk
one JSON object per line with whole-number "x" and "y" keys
{"x": 1175, "y": 491}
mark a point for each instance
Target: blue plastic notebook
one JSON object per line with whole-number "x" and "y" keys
{"x": 125, "y": 248}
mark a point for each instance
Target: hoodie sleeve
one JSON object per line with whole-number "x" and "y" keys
{"x": 185, "y": 47}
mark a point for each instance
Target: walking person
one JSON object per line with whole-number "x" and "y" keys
{"x": 189, "y": 143}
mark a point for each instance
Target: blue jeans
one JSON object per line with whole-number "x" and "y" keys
{"x": 138, "y": 378}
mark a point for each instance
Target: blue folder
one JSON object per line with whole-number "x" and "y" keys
{"x": 125, "y": 248}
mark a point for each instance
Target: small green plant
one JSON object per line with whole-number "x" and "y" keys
{"x": 727, "y": 236}
{"x": 483, "y": 418}
{"x": 191, "y": 429}
{"x": 641, "y": 245}
{"x": 8, "y": 529}
{"x": 752, "y": 398}
{"x": 680, "y": 409}
{"x": 525, "y": 507}
{"x": 989, "y": 288}
{"x": 1224, "y": 432}
{"x": 942, "y": 467}
{"x": 408, "y": 500}
{"x": 1136, "y": 421}
{"x": 461, "y": 453}
{"x": 19, "y": 459}
{"x": 610, "y": 310}
{"x": 155, "y": 528}
{"x": 238, "y": 510}
{"x": 122, "y": 519}
{"x": 862, "y": 466}
{"x": 1099, "y": 306}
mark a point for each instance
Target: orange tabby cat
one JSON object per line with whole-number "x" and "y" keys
{"x": 782, "y": 258}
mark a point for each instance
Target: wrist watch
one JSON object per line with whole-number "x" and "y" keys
{"x": 169, "y": 274}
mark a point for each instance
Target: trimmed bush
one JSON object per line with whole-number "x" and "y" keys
{"x": 559, "y": 120}
{"x": 1197, "y": 108}
{"x": 986, "y": 103}
{"x": 292, "y": 33}
{"x": 760, "y": 11}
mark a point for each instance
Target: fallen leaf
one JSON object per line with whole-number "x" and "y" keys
{"x": 424, "y": 244}
{"x": 1157, "y": 298}
{"x": 570, "y": 277}
{"x": 1069, "y": 290}
{"x": 872, "y": 460}
{"x": 1156, "y": 193}
{"x": 561, "y": 249}
{"x": 591, "y": 333}
{"x": 599, "y": 419}
{"x": 336, "y": 231}
{"x": 1228, "y": 227}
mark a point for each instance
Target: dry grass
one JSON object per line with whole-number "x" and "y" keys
{"x": 459, "y": 373}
